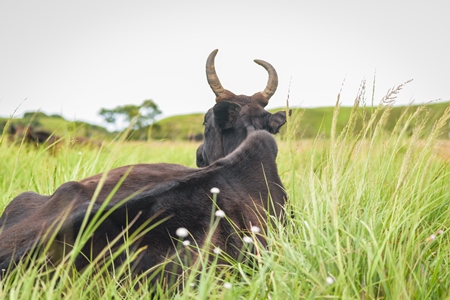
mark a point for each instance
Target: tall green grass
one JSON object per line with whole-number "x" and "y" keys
{"x": 369, "y": 217}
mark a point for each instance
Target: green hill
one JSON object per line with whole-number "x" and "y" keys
{"x": 182, "y": 127}
{"x": 314, "y": 122}
{"x": 308, "y": 123}
{"x": 59, "y": 126}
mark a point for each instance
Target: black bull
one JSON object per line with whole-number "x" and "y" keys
{"x": 238, "y": 157}
{"x": 178, "y": 194}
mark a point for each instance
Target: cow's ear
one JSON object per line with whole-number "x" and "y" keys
{"x": 277, "y": 120}
{"x": 225, "y": 114}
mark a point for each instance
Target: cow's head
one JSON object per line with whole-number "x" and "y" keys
{"x": 233, "y": 117}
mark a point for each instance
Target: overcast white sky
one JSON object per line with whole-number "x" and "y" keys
{"x": 75, "y": 57}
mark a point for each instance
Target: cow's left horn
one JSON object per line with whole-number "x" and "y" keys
{"x": 213, "y": 79}
{"x": 272, "y": 83}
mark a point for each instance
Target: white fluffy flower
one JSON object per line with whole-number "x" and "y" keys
{"x": 182, "y": 232}
{"x": 186, "y": 243}
{"x": 217, "y": 250}
{"x": 247, "y": 239}
{"x": 220, "y": 213}
{"x": 215, "y": 190}
{"x": 329, "y": 280}
{"x": 255, "y": 229}
{"x": 227, "y": 285}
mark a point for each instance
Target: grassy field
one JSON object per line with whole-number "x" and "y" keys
{"x": 370, "y": 216}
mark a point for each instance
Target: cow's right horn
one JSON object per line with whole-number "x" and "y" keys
{"x": 272, "y": 83}
{"x": 211, "y": 75}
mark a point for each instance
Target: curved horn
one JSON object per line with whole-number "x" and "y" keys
{"x": 272, "y": 83}
{"x": 211, "y": 75}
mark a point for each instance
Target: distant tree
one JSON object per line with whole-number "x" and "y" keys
{"x": 138, "y": 115}
{"x": 108, "y": 114}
